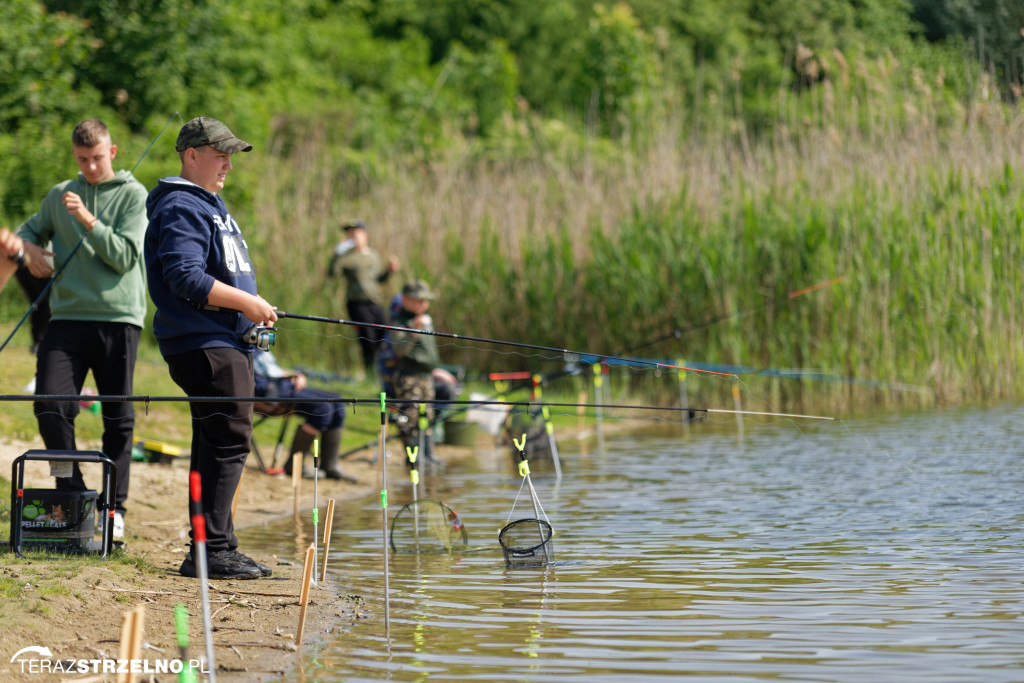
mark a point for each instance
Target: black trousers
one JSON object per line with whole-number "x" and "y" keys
{"x": 69, "y": 350}
{"x": 221, "y": 432}
{"x": 369, "y": 337}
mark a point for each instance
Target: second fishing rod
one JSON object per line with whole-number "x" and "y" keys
{"x": 267, "y": 335}
{"x": 147, "y": 400}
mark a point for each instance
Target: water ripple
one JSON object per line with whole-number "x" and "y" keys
{"x": 884, "y": 549}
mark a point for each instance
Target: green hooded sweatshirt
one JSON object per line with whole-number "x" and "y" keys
{"x": 106, "y": 280}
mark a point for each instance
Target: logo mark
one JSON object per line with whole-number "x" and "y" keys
{"x": 42, "y": 651}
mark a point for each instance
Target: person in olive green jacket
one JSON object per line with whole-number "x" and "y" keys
{"x": 98, "y": 303}
{"x": 365, "y": 273}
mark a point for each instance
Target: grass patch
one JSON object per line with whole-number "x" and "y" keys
{"x": 125, "y": 560}
{"x": 11, "y": 587}
{"x": 67, "y": 570}
{"x": 53, "y": 589}
{"x": 68, "y": 566}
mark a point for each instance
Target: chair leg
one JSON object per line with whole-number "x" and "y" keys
{"x": 280, "y": 439}
{"x": 256, "y": 451}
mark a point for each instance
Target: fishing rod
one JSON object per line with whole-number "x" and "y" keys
{"x": 57, "y": 398}
{"x": 373, "y": 401}
{"x": 85, "y": 236}
{"x": 791, "y": 373}
{"x": 678, "y": 333}
{"x": 570, "y": 370}
{"x": 565, "y": 353}
{"x": 267, "y": 337}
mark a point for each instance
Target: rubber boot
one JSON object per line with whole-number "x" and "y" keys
{"x": 331, "y": 442}
{"x": 302, "y": 443}
{"x": 428, "y": 449}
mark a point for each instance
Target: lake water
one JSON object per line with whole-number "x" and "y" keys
{"x": 884, "y": 549}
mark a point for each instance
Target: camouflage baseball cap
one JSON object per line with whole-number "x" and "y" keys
{"x": 203, "y": 130}
{"x": 418, "y": 289}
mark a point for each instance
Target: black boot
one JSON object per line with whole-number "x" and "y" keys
{"x": 302, "y": 443}
{"x": 331, "y": 443}
{"x": 428, "y": 449}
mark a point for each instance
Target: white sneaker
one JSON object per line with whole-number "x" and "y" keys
{"x": 118, "y": 524}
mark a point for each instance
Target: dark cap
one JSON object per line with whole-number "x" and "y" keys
{"x": 352, "y": 225}
{"x": 418, "y": 289}
{"x": 203, "y": 130}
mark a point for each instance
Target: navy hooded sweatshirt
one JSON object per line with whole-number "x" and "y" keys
{"x": 191, "y": 241}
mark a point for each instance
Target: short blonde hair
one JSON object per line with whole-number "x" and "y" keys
{"x": 89, "y": 133}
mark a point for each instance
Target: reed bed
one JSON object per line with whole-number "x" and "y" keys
{"x": 690, "y": 218}
{"x": 574, "y": 241}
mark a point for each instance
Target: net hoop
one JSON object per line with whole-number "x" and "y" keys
{"x": 538, "y": 549}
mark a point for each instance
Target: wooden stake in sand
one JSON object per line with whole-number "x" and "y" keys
{"x": 296, "y": 480}
{"x": 327, "y": 535}
{"x": 307, "y": 575}
{"x": 131, "y": 641}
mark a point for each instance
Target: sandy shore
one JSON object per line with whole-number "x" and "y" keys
{"x": 76, "y": 609}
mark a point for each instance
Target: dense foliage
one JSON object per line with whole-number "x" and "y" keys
{"x": 565, "y": 169}
{"x": 414, "y": 76}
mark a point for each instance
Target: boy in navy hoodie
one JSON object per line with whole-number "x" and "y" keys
{"x": 202, "y": 282}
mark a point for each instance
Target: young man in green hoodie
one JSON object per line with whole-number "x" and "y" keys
{"x": 98, "y": 303}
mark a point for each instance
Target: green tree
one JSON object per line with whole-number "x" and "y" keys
{"x": 486, "y": 83}
{"x": 993, "y": 28}
{"x": 151, "y": 57}
{"x": 39, "y": 55}
{"x": 617, "y": 64}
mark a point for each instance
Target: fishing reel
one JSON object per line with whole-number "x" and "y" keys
{"x": 260, "y": 336}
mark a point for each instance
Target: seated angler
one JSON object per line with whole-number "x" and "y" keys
{"x": 417, "y": 358}
{"x": 324, "y": 418}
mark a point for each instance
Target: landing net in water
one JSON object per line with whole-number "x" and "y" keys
{"x": 526, "y": 543}
{"x": 427, "y": 527}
